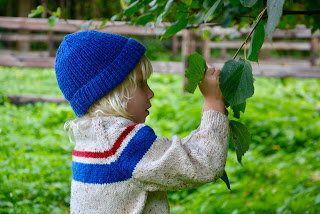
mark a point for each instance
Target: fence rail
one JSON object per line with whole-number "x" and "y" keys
{"x": 189, "y": 42}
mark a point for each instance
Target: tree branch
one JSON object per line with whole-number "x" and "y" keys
{"x": 245, "y": 41}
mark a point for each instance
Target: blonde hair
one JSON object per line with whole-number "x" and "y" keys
{"x": 115, "y": 102}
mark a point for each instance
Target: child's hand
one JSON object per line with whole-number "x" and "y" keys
{"x": 209, "y": 87}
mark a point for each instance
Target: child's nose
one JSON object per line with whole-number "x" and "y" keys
{"x": 150, "y": 93}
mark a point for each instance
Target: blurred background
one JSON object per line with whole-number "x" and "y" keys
{"x": 279, "y": 174}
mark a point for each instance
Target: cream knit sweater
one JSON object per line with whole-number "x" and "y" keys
{"x": 122, "y": 167}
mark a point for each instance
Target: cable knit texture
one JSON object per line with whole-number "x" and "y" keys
{"x": 89, "y": 64}
{"x": 122, "y": 167}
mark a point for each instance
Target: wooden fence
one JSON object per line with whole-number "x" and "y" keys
{"x": 300, "y": 40}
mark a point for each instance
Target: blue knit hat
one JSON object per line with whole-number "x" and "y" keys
{"x": 89, "y": 64}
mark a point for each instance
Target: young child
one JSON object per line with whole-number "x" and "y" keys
{"x": 119, "y": 165}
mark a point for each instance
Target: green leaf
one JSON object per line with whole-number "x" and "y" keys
{"x": 104, "y": 22}
{"x": 241, "y": 138}
{"x": 143, "y": 20}
{"x": 132, "y": 8}
{"x": 166, "y": 9}
{"x": 211, "y": 10}
{"x": 175, "y": 28}
{"x": 225, "y": 178}
{"x": 52, "y": 20}
{"x": 236, "y": 81}
{"x": 169, "y": 5}
{"x": 36, "y": 12}
{"x": 248, "y": 3}
{"x": 187, "y": 2}
{"x": 86, "y": 25}
{"x": 237, "y": 108}
{"x": 58, "y": 12}
{"x": 195, "y": 72}
{"x": 124, "y": 4}
{"x": 256, "y": 42}
{"x": 274, "y": 9}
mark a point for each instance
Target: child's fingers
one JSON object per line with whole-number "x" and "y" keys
{"x": 217, "y": 73}
{"x": 210, "y": 71}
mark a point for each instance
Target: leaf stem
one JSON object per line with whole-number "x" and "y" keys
{"x": 245, "y": 52}
{"x": 254, "y": 27}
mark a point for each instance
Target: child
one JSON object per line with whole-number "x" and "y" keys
{"x": 119, "y": 165}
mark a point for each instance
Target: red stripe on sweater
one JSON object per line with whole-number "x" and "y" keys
{"x": 110, "y": 152}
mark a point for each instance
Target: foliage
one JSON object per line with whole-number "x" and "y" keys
{"x": 257, "y": 40}
{"x": 195, "y": 71}
{"x": 226, "y": 13}
{"x": 280, "y": 172}
{"x": 274, "y": 15}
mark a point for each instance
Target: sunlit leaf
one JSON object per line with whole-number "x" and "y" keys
{"x": 86, "y": 25}
{"x": 52, "y": 20}
{"x": 195, "y": 72}
{"x": 36, "y": 12}
{"x": 211, "y": 10}
{"x": 58, "y": 12}
{"x": 187, "y": 2}
{"x": 104, "y": 22}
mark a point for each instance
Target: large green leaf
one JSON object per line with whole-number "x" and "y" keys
{"x": 274, "y": 8}
{"x": 248, "y": 3}
{"x": 195, "y": 72}
{"x": 256, "y": 42}
{"x": 175, "y": 28}
{"x": 236, "y": 81}
{"x": 241, "y": 138}
{"x": 225, "y": 179}
{"x": 211, "y": 10}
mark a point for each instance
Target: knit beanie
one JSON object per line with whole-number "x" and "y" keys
{"x": 89, "y": 64}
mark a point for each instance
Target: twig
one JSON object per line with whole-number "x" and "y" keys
{"x": 245, "y": 41}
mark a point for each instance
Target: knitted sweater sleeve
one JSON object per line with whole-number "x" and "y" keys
{"x": 176, "y": 164}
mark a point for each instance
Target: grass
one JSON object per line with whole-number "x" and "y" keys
{"x": 280, "y": 172}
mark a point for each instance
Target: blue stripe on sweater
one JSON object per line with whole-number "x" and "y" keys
{"x": 123, "y": 167}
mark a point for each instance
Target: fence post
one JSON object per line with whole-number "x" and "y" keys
{"x": 314, "y": 49}
{"x": 207, "y": 49}
{"x": 24, "y": 7}
{"x": 188, "y": 47}
{"x": 223, "y": 51}
{"x": 175, "y": 46}
{"x": 51, "y": 44}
